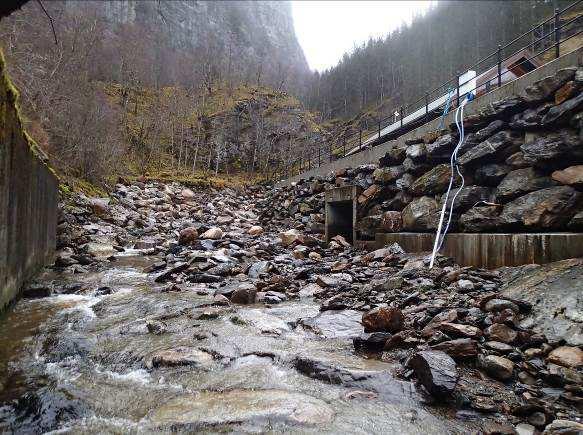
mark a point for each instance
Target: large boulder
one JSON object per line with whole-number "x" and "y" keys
{"x": 482, "y": 218}
{"x": 562, "y": 113}
{"x": 388, "y": 174}
{"x": 555, "y": 291}
{"x": 432, "y": 182}
{"x": 467, "y": 197}
{"x": 545, "y": 88}
{"x": 571, "y": 176}
{"x": 422, "y": 214}
{"x": 188, "y": 236}
{"x": 553, "y": 150}
{"x": 436, "y": 371}
{"x": 442, "y": 148}
{"x": 546, "y": 209}
{"x": 500, "y": 146}
{"x": 520, "y": 182}
{"x": 391, "y": 221}
{"x": 383, "y": 319}
{"x": 491, "y": 174}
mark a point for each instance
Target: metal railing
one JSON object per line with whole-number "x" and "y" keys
{"x": 355, "y": 143}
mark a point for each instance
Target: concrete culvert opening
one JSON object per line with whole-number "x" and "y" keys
{"x": 341, "y": 212}
{"x": 339, "y": 220}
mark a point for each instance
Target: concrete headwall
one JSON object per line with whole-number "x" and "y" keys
{"x": 28, "y": 199}
{"x": 372, "y": 155}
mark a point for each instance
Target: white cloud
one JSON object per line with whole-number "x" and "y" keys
{"x": 328, "y": 29}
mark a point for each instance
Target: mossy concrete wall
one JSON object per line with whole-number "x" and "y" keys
{"x": 28, "y": 199}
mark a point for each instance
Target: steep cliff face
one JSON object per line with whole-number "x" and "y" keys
{"x": 250, "y": 41}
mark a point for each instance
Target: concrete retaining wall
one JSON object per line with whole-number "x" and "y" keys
{"x": 516, "y": 87}
{"x": 28, "y": 199}
{"x": 492, "y": 250}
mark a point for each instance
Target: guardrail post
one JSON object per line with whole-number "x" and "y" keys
{"x": 557, "y": 33}
{"x": 499, "y": 65}
{"x": 360, "y": 137}
{"x": 401, "y": 115}
{"x": 426, "y": 107}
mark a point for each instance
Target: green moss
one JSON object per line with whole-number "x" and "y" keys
{"x": 12, "y": 96}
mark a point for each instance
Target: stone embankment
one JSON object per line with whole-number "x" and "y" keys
{"x": 522, "y": 161}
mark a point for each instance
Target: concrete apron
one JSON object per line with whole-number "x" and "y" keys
{"x": 492, "y": 250}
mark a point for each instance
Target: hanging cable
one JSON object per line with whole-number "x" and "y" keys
{"x": 450, "y": 92}
{"x": 439, "y": 237}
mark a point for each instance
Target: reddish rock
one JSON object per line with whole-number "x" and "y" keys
{"x": 565, "y": 92}
{"x": 392, "y": 221}
{"x": 460, "y": 348}
{"x": 459, "y": 330}
{"x": 244, "y": 294}
{"x": 382, "y": 319}
{"x": 502, "y": 333}
{"x": 188, "y": 236}
{"x": 572, "y": 176}
{"x": 566, "y": 356}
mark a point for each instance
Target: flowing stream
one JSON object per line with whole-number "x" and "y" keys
{"x": 85, "y": 363}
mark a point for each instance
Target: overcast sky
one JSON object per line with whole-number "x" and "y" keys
{"x": 327, "y": 29}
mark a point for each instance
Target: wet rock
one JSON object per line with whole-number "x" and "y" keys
{"x": 436, "y": 371}
{"x": 498, "y": 367}
{"x": 550, "y": 209}
{"x": 388, "y": 174}
{"x": 374, "y": 341}
{"x": 560, "y": 114}
{"x": 502, "y": 333}
{"x": 255, "y": 230}
{"x": 552, "y": 290}
{"x": 491, "y": 174}
{"x": 460, "y": 348}
{"x": 266, "y": 323}
{"x": 244, "y": 294}
{"x": 566, "y": 356}
{"x": 167, "y": 274}
{"x": 466, "y": 197}
{"x": 335, "y": 324}
{"x": 433, "y": 182}
{"x": 520, "y": 182}
{"x": 563, "y": 427}
{"x": 180, "y": 356}
{"x": 36, "y": 290}
{"x": 383, "y": 319}
{"x": 571, "y": 176}
{"x": 214, "y": 233}
{"x": 259, "y": 268}
{"x": 552, "y": 150}
{"x": 544, "y": 89}
{"x": 156, "y": 327}
{"x": 480, "y": 218}
{"x": 188, "y": 236}
{"x": 391, "y": 221}
{"x": 459, "y": 330}
{"x": 421, "y": 215}
{"x": 235, "y": 407}
{"x": 499, "y": 146}
{"x": 289, "y": 237}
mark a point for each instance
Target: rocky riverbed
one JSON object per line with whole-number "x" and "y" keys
{"x": 173, "y": 309}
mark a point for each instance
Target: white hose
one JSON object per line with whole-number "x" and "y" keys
{"x": 439, "y": 237}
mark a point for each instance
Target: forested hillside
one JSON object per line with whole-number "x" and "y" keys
{"x": 451, "y": 36}
{"x": 143, "y": 85}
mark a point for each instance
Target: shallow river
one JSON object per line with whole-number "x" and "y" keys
{"x": 84, "y": 364}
